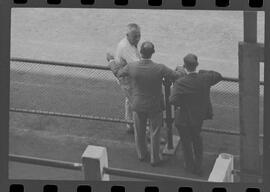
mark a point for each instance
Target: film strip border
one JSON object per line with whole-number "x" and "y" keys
{"x": 253, "y": 5}
{"x": 122, "y": 188}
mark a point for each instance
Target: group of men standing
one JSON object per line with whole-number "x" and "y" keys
{"x": 141, "y": 80}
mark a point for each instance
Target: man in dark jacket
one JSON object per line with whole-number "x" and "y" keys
{"x": 147, "y": 100}
{"x": 191, "y": 96}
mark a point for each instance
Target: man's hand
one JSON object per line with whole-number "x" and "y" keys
{"x": 180, "y": 69}
{"x": 109, "y": 57}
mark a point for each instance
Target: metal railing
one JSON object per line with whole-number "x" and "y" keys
{"x": 147, "y": 176}
{"x": 75, "y": 116}
{"x": 106, "y": 170}
{"x": 45, "y": 162}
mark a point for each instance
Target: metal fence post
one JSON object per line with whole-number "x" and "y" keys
{"x": 266, "y": 124}
{"x": 94, "y": 160}
{"x": 168, "y": 109}
{"x": 249, "y": 95}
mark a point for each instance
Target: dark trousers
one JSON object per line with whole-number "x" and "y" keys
{"x": 192, "y": 145}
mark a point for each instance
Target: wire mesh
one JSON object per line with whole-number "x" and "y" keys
{"x": 66, "y": 90}
{"x": 92, "y": 91}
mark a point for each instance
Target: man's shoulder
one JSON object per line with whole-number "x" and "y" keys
{"x": 122, "y": 44}
{"x": 160, "y": 65}
{"x": 208, "y": 74}
{"x": 133, "y": 64}
{"x": 153, "y": 64}
{"x": 204, "y": 74}
{"x": 182, "y": 79}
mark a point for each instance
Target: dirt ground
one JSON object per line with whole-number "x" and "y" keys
{"x": 85, "y": 35}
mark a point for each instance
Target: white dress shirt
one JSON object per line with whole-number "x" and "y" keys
{"x": 126, "y": 52}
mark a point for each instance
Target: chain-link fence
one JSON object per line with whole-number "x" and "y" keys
{"x": 66, "y": 89}
{"x": 92, "y": 92}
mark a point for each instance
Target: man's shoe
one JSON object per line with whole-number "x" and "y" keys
{"x": 162, "y": 140}
{"x": 130, "y": 130}
{"x": 159, "y": 163}
{"x": 145, "y": 158}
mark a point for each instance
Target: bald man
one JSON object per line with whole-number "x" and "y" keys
{"x": 127, "y": 52}
{"x": 147, "y": 100}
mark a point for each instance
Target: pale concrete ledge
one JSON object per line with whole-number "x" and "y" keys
{"x": 223, "y": 169}
{"x": 94, "y": 159}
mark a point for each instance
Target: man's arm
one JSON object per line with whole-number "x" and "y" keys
{"x": 212, "y": 77}
{"x": 123, "y": 72}
{"x": 176, "y": 97}
{"x": 114, "y": 65}
{"x": 171, "y": 75}
{"x": 180, "y": 69}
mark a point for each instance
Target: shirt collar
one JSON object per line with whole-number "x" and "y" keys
{"x": 127, "y": 41}
{"x": 193, "y": 72}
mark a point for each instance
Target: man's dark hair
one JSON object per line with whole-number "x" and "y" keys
{"x": 147, "y": 49}
{"x": 190, "y": 62}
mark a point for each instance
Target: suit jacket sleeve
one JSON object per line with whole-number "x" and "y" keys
{"x": 123, "y": 72}
{"x": 115, "y": 66}
{"x": 176, "y": 97}
{"x": 171, "y": 75}
{"x": 212, "y": 77}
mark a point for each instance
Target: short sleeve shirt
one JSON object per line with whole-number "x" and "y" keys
{"x": 126, "y": 53}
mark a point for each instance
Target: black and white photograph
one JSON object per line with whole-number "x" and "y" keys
{"x": 136, "y": 95}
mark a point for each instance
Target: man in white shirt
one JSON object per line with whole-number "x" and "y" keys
{"x": 127, "y": 52}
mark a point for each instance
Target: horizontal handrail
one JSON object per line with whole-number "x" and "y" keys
{"x": 225, "y": 132}
{"x": 235, "y": 80}
{"x": 147, "y": 176}
{"x": 106, "y": 170}
{"x": 63, "y": 64}
{"x": 45, "y": 162}
{"x": 75, "y": 116}
{"x": 238, "y": 172}
{"x": 96, "y": 118}
{"x": 88, "y": 66}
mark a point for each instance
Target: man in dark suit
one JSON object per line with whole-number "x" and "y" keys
{"x": 147, "y": 100}
{"x": 191, "y": 96}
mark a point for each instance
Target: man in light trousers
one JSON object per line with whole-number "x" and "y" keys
{"x": 127, "y": 52}
{"x": 147, "y": 100}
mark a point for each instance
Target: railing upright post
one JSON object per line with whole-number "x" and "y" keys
{"x": 249, "y": 100}
{"x": 168, "y": 108}
{"x": 94, "y": 160}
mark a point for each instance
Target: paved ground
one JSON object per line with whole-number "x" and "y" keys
{"x": 58, "y": 138}
{"x": 60, "y": 147}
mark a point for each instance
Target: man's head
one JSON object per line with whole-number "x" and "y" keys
{"x": 190, "y": 62}
{"x": 133, "y": 34}
{"x": 147, "y": 50}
